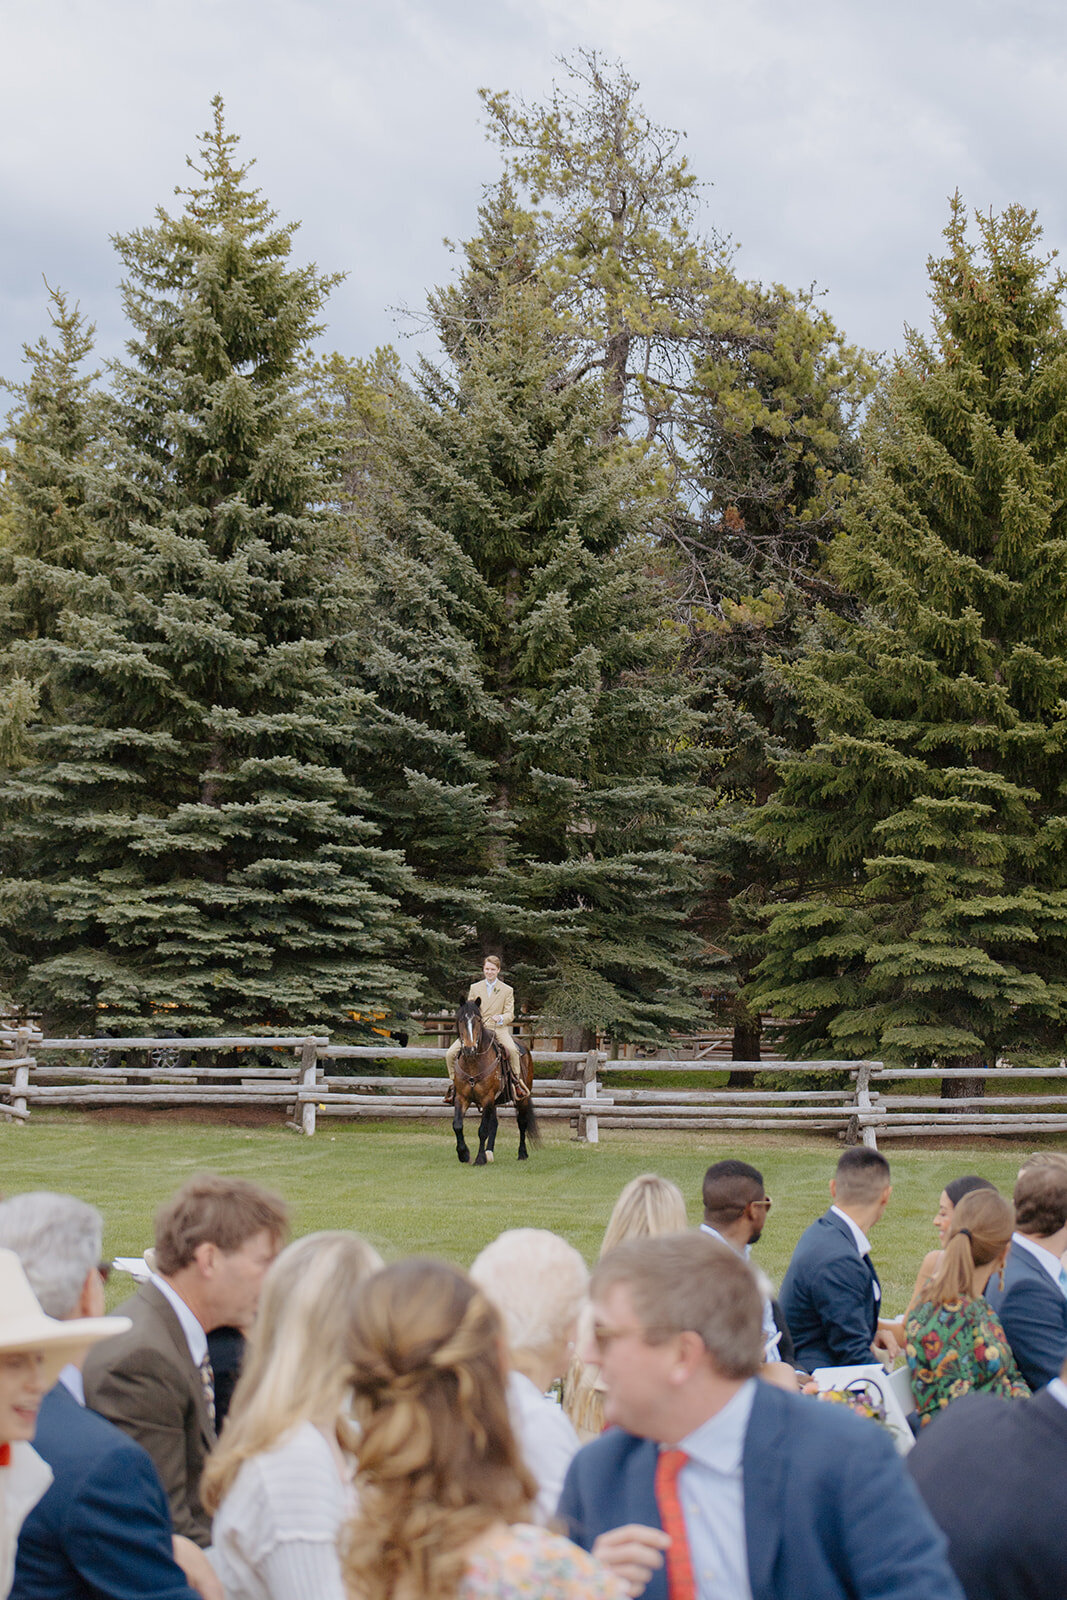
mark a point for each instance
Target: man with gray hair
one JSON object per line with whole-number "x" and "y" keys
{"x": 103, "y": 1527}
{"x": 715, "y": 1485}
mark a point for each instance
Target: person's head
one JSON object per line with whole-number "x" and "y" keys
{"x": 491, "y": 968}
{"x": 296, "y": 1364}
{"x": 58, "y": 1240}
{"x": 1041, "y": 1199}
{"x": 538, "y": 1283}
{"x": 438, "y": 1463}
{"x": 861, "y": 1185}
{"x": 951, "y": 1195}
{"x": 215, "y": 1239}
{"x": 978, "y": 1236}
{"x": 34, "y": 1348}
{"x": 648, "y": 1206}
{"x": 735, "y": 1202}
{"x": 677, "y": 1326}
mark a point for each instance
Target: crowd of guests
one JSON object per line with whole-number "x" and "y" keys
{"x": 413, "y": 1432}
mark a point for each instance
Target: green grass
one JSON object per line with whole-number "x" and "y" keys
{"x": 401, "y": 1185}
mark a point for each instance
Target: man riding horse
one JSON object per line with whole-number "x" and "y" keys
{"x": 498, "y": 1012}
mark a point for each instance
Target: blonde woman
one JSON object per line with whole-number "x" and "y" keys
{"x": 954, "y": 1341}
{"x": 648, "y": 1207}
{"x": 441, "y": 1486}
{"x": 279, "y": 1481}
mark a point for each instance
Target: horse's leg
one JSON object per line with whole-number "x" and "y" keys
{"x": 525, "y": 1115}
{"x": 490, "y": 1143}
{"x": 457, "y": 1123}
{"x": 486, "y": 1134}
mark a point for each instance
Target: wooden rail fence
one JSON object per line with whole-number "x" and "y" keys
{"x": 302, "y": 1081}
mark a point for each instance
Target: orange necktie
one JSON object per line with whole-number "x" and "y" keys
{"x": 680, "y": 1582}
{"x": 5, "y": 1455}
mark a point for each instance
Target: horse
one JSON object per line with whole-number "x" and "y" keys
{"x": 483, "y": 1080}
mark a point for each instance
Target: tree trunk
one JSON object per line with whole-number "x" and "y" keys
{"x": 576, "y": 1039}
{"x": 748, "y": 1028}
{"x": 964, "y": 1088}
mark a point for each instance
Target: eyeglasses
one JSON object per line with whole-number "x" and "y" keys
{"x": 104, "y": 1269}
{"x": 766, "y": 1202}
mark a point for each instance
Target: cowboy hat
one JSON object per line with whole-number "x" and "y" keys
{"x": 24, "y": 1326}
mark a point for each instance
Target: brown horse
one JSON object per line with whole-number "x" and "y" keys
{"x": 483, "y": 1079}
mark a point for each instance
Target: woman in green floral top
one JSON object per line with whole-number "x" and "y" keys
{"x": 953, "y": 1339}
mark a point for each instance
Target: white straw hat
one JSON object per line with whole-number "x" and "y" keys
{"x": 24, "y": 1326}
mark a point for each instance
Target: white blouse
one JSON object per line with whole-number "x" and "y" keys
{"x": 22, "y": 1483}
{"x": 275, "y": 1534}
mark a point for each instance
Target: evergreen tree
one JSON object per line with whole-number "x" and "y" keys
{"x": 532, "y": 539}
{"x": 191, "y": 827}
{"x": 927, "y": 912}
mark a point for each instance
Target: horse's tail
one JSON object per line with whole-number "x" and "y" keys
{"x": 526, "y": 1117}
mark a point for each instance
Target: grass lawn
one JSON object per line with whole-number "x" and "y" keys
{"x": 401, "y": 1185}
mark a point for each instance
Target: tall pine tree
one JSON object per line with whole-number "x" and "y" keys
{"x": 924, "y": 829}
{"x": 191, "y": 827}
{"x": 538, "y": 577}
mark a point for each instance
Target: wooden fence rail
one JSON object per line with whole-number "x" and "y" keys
{"x": 305, "y": 1082}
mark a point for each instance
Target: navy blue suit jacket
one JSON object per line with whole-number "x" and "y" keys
{"x": 994, "y": 1474}
{"x": 1033, "y": 1313}
{"x": 103, "y": 1528}
{"x": 830, "y": 1513}
{"x": 828, "y": 1298}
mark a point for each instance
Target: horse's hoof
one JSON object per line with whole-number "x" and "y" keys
{"x": 464, "y": 1155}
{"x": 489, "y": 1155}
{"x": 479, "y": 1161}
{"x": 524, "y": 1155}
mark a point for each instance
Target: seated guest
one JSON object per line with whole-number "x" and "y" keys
{"x": 537, "y": 1282}
{"x": 213, "y": 1243}
{"x": 34, "y": 1348}
{"x": 995, "y": 1479}
{"x": 441, "y": 1486}
{"x": 736, "y": 1207}
{"x": 954, "y": 1342}
{"x": 712, "y": 1484}
{"x": 951, "y": 1195}
{"x": 279, "y": 1481}
{"x": 1032, "y": 1305}
{"x": 104, "y": 1527}
{"x": 831, "y": 1294}
{"x": 647, "y": 1207}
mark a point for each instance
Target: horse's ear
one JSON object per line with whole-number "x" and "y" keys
{"x": 478, "y": 1001}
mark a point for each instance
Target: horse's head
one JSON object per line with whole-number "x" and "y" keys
{"x": 470, "y": 1027}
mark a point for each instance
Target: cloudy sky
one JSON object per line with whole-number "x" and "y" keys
{"x": 829, "y": 134}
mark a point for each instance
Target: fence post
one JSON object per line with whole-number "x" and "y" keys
{"x": 20, "y": 1078}
{"x": 588, "y": 1126}
{"x": 864, "y": 1103}
{"x": 309, "y": 1066}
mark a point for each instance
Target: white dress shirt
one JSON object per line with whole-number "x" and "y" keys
{"x": 863, "y": 1244}
{"x": 546, "y": 1438}
{"x": 195, "y": 1337}
{"x": 711, "y": 1490}
{"x": 771, "y": 1336}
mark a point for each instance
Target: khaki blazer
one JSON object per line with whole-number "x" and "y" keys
{"x": 144, "y": 1381}
{"x": 498, "y": 1008}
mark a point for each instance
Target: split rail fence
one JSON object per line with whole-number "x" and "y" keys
{"x": 302, "y": 1081}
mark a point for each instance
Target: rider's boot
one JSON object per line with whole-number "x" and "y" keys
{"x": 450, "y": 1092}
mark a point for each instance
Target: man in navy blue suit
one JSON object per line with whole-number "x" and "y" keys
{"x": 1032, "y": 1305}
{"x": 774, "y": 1495}
{"x": 830, "y": 1294}
{"x": 103, "y": 1528}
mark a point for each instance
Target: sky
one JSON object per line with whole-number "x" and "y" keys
{"x": 829, "y": 135}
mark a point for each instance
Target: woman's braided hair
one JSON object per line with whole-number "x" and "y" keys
{"x": 438, "y": 1463}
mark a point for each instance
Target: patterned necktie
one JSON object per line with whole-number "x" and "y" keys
{"x": 680, "y": 1582}
{"x": 1063, "y": 1280}
{"x": 207, "y": 1378}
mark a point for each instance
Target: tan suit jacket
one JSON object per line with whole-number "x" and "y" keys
{"x": 144, "y": 1381}
{"x": 498, "y": 1008}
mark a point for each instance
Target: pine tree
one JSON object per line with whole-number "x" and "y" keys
{"x": 923, "y": 830}
{"x": 538, "y": 581}
{"x": 192, "y": 827}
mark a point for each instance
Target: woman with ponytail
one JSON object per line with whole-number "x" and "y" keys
{"x": 953, "y": 1339}
{"x": 442, "y": 1491}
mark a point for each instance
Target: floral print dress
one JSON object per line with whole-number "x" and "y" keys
{"x": 955, "y": 1348}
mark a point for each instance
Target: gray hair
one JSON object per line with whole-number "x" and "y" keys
{"x": 58, "y": 1240}
{"x": 538, "y": 1283}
